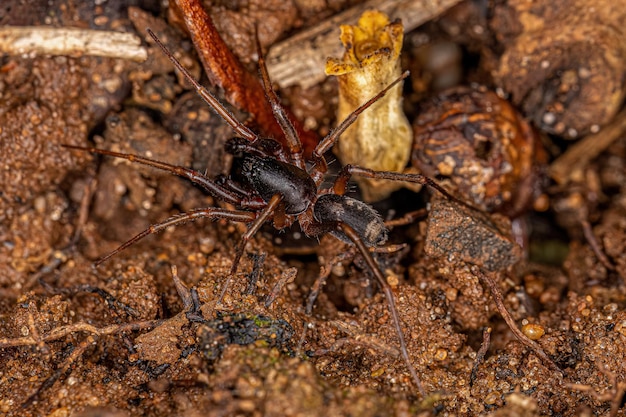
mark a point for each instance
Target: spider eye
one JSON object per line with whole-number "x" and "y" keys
{"x": 235, "y": 146}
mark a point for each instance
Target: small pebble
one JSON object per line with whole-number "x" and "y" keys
{"x": 533, "y": 331}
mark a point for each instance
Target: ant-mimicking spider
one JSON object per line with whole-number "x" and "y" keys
{"x": 281, "y": 187}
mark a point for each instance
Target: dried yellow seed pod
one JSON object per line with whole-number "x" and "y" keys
{"x": 381, "y": 137}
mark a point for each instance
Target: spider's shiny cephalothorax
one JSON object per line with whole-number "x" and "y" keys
{"x": 269, "y": 177}
{"x": 277, "y": 186}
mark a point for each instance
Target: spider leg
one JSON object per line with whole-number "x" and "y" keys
{"x": 373, "y": 266}
{"x": 325, "y": 271}
{"x": 209, "y": 212}
{"x": 408, "y": 218}
{"x": 293, "y": 141}
{"x": 341, "y": 182}
{"x": 239, "y": 128}
{"x": 254, "y": 227}
{"x": 196, "y": 177}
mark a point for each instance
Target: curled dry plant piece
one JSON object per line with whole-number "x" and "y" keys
{"x": 564, "y": 61}
{"x": 489, "y": 151}
{"x": 381, "y": 138}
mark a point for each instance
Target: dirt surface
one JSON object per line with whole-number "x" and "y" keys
{"x": 120, "y": 340}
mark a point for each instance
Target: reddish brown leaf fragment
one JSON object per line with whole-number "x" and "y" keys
{"x": 242, "y": 89}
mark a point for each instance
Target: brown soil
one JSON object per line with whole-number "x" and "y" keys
{"x": 116, "y": 341}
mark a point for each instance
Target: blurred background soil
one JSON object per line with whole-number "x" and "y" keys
{"x": 115, "y": 340}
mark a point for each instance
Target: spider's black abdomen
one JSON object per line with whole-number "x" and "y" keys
{"x": 269, "y": 176}
{"x": 361, "y": 217}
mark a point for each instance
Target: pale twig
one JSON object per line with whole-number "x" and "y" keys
{"x": 489, "y": 282}
{"x": 325, "y": 271}
{"x": 34, "y": 338}
{"x": 63, "y": 331}
{"x": 358, "y": 337}
{"x": 43, "y": 40}
{"x": 595, "y": 245}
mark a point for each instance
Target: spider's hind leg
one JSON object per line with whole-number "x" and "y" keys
{"x": 210, "y": 186}
{"x": 270, "y": 210}
{"x": 373, "y": 266}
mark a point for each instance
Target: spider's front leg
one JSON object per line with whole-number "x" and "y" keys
{"x": 329, "y": 141}
{"x": 341, "y": 182}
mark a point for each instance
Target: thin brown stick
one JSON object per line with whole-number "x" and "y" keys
{"x": 521, "y": 337}
{"x": 60, "y": 332}
{"x": 480, "y": 355}
{"x": 357, "y": 336}
{"x": 34, "y": 332}
{"x": 595, "y": 245}
{"x": 325, "y": 271}
{"x": 302, "y": 339}
{"x": 257, "y": 271}
{"x": 620, "y": 390}
{"x": 578, "y": 156}
{"x": 614, "y": 395}
{"x": 58, "y": 373}
{"x": 183, "y": 291}
{"x": 83, "y": 213}
{"x": 287, "y": 276}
